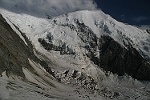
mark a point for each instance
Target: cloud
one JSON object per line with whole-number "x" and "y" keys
{"x": 123, "y": 17}
{"x": 52, "y": 7}
{"x": 140, "y": 19}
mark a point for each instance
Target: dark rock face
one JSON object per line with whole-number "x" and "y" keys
{"x": 115, "y": 58}
{"x": 14, "y": 53}
{"x": 148, "y": 31}
{"x": 112, "y": 56}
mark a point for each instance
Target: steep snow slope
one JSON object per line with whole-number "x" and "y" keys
{"x": 61, "y": 41}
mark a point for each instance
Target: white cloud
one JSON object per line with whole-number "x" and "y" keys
{"x": 53, "y": 7}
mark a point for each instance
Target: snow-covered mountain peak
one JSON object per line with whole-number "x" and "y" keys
{"x": 64, "y": 27}
{"x": 103, "y": 24}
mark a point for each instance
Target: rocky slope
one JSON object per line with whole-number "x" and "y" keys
{"x": 14, "y": 52}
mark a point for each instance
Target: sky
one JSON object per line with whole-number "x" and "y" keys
{"x": 135, "y": 12}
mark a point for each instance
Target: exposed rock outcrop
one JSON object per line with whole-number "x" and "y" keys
{"x": 62, "y": 48}
{"x": 118, "y": 59}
